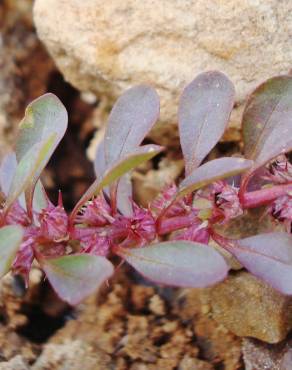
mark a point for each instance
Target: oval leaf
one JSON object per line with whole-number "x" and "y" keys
{"x": 118, "y": 169}
{"x": 28, "y": 171}
{"x": 268, "y": 256}
{"x": 203, "y": 114}
{"x": 131, "y": 118}
{"x": 212, "y": 171}
{"x": 43, "y": 117}
{"x": 267, "y": 120}
{"x": 178, "y": 263}
{"x": 74, "y": 277}
{"x": 10, "y": 239}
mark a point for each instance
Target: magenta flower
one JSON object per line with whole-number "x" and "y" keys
{"x": 138, "y": 229}
{"x": 17, "y": 215}
{"x": 53, "y": 223}
{"x": 198, "y": 232}
{"x": 96, "y": 213}
{"x": 92, "y": 240}
{"x": 280, "y": 171}
{"x": 281, "y": 209}
{"x": 164, "y": 199}
{"x": 226, "y": 201}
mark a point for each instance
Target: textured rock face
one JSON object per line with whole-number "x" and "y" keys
{"x": 106, "y": 47}
{"x": 250, "y": 308}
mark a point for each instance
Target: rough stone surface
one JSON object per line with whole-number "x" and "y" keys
{"x": 137, "y": 327}
{"x": 248, "y": 307}
{"x": 106, "y": 47}
{"x": 16, "y": 363}
{"x": 73, "y": 355}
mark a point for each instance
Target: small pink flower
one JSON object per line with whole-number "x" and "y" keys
{"x": 164, "y": 199}
{"x": 92, "y": 240}
{"x": 25, "y": 255}
{"x": 226, "y": 201}
{"x": 198, "y": 232}
{"x": 17, "y": 216}
{"x": 280, "y": 171}
{"x": 95, "y": 213}
{"x": 53, "y": 223}
{"x": 98, "y": 245}
{"x": 281, "y": 209}
{"x": 137, "y": 229}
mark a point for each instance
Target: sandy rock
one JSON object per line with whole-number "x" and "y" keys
{"x": 248, "y": 307}
{"x": 73, "y": 355}
{"x": 188, "y": 363}
{"x": 16, "y": 363}
{"x": 106, "y": 47}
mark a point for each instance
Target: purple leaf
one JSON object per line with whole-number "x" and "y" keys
{"x": 117, "y": 170}
{"x": 203, "y": 114}
{"x": 74, "y": 277}
{"x": 178, "y": 263}
{"x": 267, "y": 120}
{"x": 131, "y": 118}
{"x": 212, "y": 171}
{"x": 268, "y": 256}
{"x": 10, "y": 239}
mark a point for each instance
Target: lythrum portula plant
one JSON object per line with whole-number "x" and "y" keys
{"x": 74, "y": 250}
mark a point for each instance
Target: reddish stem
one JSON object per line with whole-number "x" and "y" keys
{"x": 264, "y": 196}
{"x": 222, "y": 241}
{"x": 166, "y": 226}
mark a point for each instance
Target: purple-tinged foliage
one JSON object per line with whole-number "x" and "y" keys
{"x": 268, "y": 256}
{"x": 74, "y": 249}
{"x": 267, "y": 120}
{"x": 203, "y": 114}
{"x": 180, "y": 263}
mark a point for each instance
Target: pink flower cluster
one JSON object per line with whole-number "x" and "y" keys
{"x": 98, "y": 230}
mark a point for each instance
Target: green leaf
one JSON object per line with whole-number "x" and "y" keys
{"x": 45, "y": 120}
{"x": 10, "y": 239}
{"x": 267, "y": 120}
{"x": 75, "y": 277}
{"x": 28, "y": 170}
{"x": 118, "y": 169}
{"x": 40, "y": 199}
{"x": 178, "y": 263}
{"x": 213, "y": 171}
{"x": 43, "y": 117}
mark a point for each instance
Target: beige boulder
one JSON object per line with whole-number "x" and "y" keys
{"x": 248, "y": 307}
{"x": 107, "y": 46}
